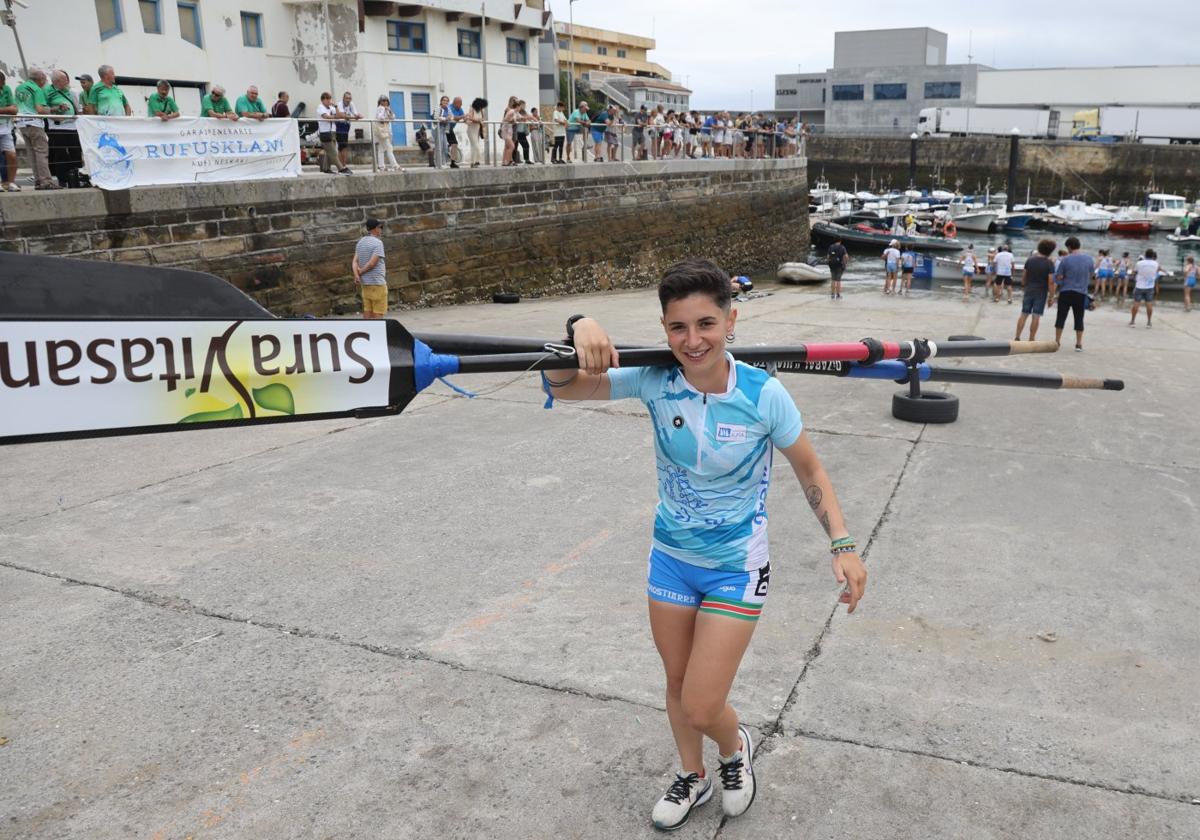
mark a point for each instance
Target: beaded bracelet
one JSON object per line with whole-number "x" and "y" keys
{"x": 843, "y": 545}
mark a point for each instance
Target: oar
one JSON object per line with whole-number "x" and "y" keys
{"x": 104, "y": 377}
{"x": 898, "y": 372}
{"x": 890, "y": 370}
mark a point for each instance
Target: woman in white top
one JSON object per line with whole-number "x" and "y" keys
{"x": 385, "y": 158}
{"x": 507, "y": 122}
{"x": 968, "y": 261}
{"x": 560, "y": 133}
{"x": 475, "y": 128}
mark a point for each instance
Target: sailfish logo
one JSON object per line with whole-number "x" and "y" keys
{"x": 115, "y": 167}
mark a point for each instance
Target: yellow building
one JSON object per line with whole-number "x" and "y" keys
{"x": 606, "y": 51}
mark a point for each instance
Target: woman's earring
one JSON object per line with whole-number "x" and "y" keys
{"x": 729, "y": 338}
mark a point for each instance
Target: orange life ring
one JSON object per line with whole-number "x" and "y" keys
{"x": 949, "y": 230}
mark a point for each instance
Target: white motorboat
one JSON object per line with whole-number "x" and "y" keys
{"x": 798, "y": 272}
{"x": 976, "y": 221}
{"x": 1165, "y": 210}
{"x": 950, "y": 269}
{"x": 1080, "y": 215}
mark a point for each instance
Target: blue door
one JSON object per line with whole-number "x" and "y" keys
{"x": 422, "y": 109}
{"x": 399, "y": 129}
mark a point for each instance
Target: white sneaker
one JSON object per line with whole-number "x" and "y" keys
{"x": 684, "y": 794}
{"x": 737, "y": 777}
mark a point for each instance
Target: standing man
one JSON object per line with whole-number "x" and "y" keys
{"x": 370, "y": 272}
{"x": 280, "y": 109}
{"x": 31, "y": 105}
{"x": 161, "y": 104}
{"x": 250, "y": 106}
{"x": 8, "y": 107}
{"x": 327, "y": 131}
{"x": 1143, "y": 286}
{"x": 105, "y": 98}
{"x": 1004, "y": 270}
{"x": 66, "y": 155}
{"x": 1036, "y": 280}
{"x": 1070, "y": 282}
{"x": 640, "y": 119}
{"x": 85, "y": 84}
{"x": 349, "y": 112}
{"x": 577, "y": 123}
{"x": 216, "y": 105}
{"x": 838, "y": 259}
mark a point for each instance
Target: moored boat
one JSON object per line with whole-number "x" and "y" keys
{"x": 1080, "y": 215}
{"x": 828, "y": 231}
{"x": 1131, "y": 227}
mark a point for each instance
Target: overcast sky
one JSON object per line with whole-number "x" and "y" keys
{"x": 724, "y": 49}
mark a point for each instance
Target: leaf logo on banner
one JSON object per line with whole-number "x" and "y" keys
{"x": 275, "y": 397}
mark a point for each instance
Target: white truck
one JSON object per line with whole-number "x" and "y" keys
{"x": 1139, "y": 125}
{"x": 959, "y": 122}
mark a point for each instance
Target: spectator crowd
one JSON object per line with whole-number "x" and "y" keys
{"x": 43, "y": 107}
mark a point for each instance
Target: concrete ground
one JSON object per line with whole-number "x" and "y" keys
{"x": 434, "y": 626}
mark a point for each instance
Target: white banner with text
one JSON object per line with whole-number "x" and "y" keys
{"x": 123, "y": 152}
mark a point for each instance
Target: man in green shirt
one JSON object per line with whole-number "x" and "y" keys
{"x": 250, "y": 106}
{"x": 66, "y": 156}
{"x": 105, "y": 98}
{"x": 7, "y": 147}
{"x": 160, "y": 104}
{"x": 215, "y": 105}
{"x": 31, "y": 105}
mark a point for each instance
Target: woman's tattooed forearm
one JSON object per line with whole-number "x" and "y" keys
{"x": 825, "y": 521}
{"x": 814, "y": 495}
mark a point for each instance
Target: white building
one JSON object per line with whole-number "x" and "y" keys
{"x": 1089, "y": 87}
{"x": 411, "y": 52}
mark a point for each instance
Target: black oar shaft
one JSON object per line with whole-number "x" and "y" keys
{"x": 1023, "y": 380}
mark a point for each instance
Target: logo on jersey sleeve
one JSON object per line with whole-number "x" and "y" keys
{"x": 729, "y": 433}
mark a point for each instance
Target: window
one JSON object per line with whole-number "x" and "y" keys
{"x": 620, "y": 53}
{"x": 943, "y": 90}
{"x": 585, "y": 47}
{"x": 251, "y": 29}
{"x": 564, "y": 45}
{"x": 847, "y": 93}
{"x": 891, "y": 91}
{"x": 468, "y": 43}
{"x": 108, "y": 15}
{"x": 601, "y": 50}
{"x": 189, "y": 22}
{"x": 151, "y": 16}
{"x": 518, "y": 51}
{"x": 405, "y": 37}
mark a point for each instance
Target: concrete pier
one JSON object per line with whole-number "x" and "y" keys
{"x": 434, "y": 625}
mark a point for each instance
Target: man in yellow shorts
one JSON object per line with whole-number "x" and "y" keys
{"x": 370, "y": 271}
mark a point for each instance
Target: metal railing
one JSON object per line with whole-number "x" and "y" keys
{"x": 505, "y": 143}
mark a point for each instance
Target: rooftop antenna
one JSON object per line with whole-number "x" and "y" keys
{"x": 969, "y": 56}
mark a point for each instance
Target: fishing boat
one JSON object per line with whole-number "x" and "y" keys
{"x": 1081, "y": 216}
{"x": 949, "y": 269}
{"x": 1165, "y": 210}
{"x": 798, "y": 272}
{"x": 828, "y": 232}
{"x": 976, "y": 221}
{"x": 1184, "y": 240}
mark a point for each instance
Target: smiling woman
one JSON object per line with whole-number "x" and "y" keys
{"x": 716, "y": 422}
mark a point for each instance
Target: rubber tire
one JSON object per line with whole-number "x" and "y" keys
{"x": 930, "y": 407}
{"x": 964, "y": 338}
{"x": 506, "y": 297}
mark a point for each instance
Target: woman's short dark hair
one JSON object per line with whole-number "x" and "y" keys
{"x": 1072, "y": 243}
{"x": 691, "y": 277}
{"x": 478, "y": 103}
{"x": 1151, "y": 254}
{"x": 1046, "y": 247}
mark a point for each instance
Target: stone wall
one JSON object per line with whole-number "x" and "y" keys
{"x": 451, "y": 236}
{"x": 1051, "y": 169}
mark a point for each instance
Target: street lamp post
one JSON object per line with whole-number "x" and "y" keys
{"x": 487, "y": 146}
{"x": 912, "y": 161}
{"x": 571, "y": 86}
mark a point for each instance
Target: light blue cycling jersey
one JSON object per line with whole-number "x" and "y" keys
{"x": 714, "y": 460}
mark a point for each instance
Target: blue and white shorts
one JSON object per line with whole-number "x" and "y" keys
{"x": 735, "y": 594}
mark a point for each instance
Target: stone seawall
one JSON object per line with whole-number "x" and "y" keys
{"x": 451, "y": 236}
{"x": 1050, "y": 169}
